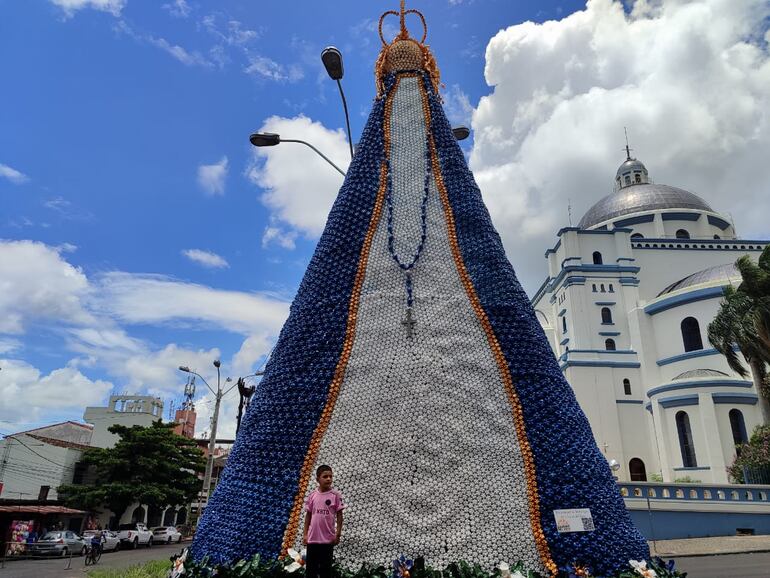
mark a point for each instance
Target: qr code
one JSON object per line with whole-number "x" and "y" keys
{"x": 588, "y": 524}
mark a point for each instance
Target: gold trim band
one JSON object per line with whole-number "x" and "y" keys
{"x": 510, "y": 388}
{"x": 339, "y": 373}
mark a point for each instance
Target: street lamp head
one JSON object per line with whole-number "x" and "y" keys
{"x": 614, "y": 465}
{"x": 461, "y": 132}
{"x": 332, "y": 59}
{"x": 217, "y": 363}
{"x": 265, "y": 139}
{"x": 184, "y": 368}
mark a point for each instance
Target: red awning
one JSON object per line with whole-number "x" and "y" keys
{"x": 39, "y": 510}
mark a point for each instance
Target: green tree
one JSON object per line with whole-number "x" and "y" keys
{"x": 743, "y": 319}
{"x": 756, "y": 284}
{"x": 754, "y": 456}
{"x": 150, "y": 465}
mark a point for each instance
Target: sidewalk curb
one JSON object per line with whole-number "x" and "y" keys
{"x": 672, "y": 555}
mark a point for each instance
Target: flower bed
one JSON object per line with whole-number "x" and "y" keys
{"x": 292, "y": 567}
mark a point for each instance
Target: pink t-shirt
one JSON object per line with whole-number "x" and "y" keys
{"x": 324, "y": 507}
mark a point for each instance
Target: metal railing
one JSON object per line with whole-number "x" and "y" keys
{"x": 756, "y": 475}
{"x": 13, "y": 551}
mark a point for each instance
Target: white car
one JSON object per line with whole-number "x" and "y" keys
{"x": 110, "y": 539}
{"x": 134, "y": 535}
{"x": 167, "y": 534}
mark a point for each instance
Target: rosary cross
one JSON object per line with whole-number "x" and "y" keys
{"x": 409, "y": 322}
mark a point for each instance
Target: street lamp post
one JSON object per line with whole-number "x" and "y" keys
{"x": 270, "y": 139}
{"x": 218, "y": 395}
{"x": 332, "y": 60}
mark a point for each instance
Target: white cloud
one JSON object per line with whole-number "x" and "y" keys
{"x": 269, "y": 69}
{"x": 280, "y": 237}
{"x": 299, "y": 197}
{"x": 253, "y": 349}
{"x": 8, "y": 345}
{"x": 40, "y": 290}
{"x": 178, "y": 8}
{"x": 66, "y": 248}
{"x": 16, "y": 177}
{"x": 231, "y": 33}
{"x": 186, "y": 57}
{"x": 211, "y": 178}
{"x": 206, "y": 258}
{"x": 457, "y": 106}
{"x": 37, "y": 285}
{"x": 62, "y": 390}
{"x": 690, "y": 80}
{"x": 181, "y": 54}
{"x": 154, "y": 299}
{"x": 71, "y": 6}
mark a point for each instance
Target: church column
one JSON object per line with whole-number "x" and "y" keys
{"x": 661, "y": 435}
{"x": 657, "y": 222}
{"x": 714, "y": 453}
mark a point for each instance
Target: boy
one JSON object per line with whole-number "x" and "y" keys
{"x": 323, "y": 509}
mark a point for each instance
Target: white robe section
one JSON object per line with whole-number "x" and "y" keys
{"x": 422, "y": 438}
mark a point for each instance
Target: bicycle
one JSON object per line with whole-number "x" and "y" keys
{"x": 93, "y": 555}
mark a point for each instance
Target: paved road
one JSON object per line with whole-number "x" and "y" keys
{"x": 755, "y": 565}
{"x": 57, "y": 568}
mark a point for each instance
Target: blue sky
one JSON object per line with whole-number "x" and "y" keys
{"x": 139, "y": 230}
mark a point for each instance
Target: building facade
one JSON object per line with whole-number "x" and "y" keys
{"x": 125, "y": 410}
{"x": 34, "y": 463}
{"x": 626, "y": 305}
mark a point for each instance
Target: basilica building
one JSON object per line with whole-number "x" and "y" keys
{"x": 626, "y": 305}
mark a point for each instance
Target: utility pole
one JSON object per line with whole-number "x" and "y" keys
{"x": 213, "y": 438}
{"x": 218, "y": 395}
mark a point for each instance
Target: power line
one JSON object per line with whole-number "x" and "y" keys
{"x": 38, "y": 454}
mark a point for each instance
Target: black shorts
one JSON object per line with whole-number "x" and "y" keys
{"x": 318, "y": 563}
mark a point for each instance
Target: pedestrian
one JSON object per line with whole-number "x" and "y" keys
{"x": 323, "y": 525}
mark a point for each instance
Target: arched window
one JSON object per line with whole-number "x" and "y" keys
{"x": 593, "y": 287}
{"x": 597, "y": 258}
{"x": 627, "y": 179}
{"x": 637, "y": 177}
{"x": 685, "y": 440}
{"x": 138, "y": 515}
{"x": 637, "y": 236}
{"x": 691, "y": 334}
{"x": 627, "y": 386}
{"x": 612, "y": 289}
{"x": 602, "y": 287}
{"x": 637, "y": 470}
{"x": 564, "y": 324}
{"x": 606, "y": 316}
{"x": 738, "y": 427}
{"x": 717, "y": 237}
{"x": 609, "y": 344}
{"x": 682, "y": 234}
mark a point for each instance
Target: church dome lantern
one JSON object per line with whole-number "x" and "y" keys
{"x": 631, "y": 172}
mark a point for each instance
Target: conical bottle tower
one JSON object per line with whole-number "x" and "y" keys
{"x": 413, "y": 364}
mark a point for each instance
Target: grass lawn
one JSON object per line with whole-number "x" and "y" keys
{"x": 154, "y": 569}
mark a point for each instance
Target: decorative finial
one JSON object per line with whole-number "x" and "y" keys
{"x": 405, "y": 53}
{"x": 628, "y": 150}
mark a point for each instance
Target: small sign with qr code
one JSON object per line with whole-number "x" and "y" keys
{"x": 577, "y": 520}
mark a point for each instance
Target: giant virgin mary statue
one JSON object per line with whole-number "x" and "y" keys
{"x": 413, "y": 364}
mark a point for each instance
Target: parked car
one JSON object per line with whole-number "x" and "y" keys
{"x": 111, "y": 540}
{"x": 134, "y": 535}
{"x": 59, "y": 543}
{"x": 168, "y": 534}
